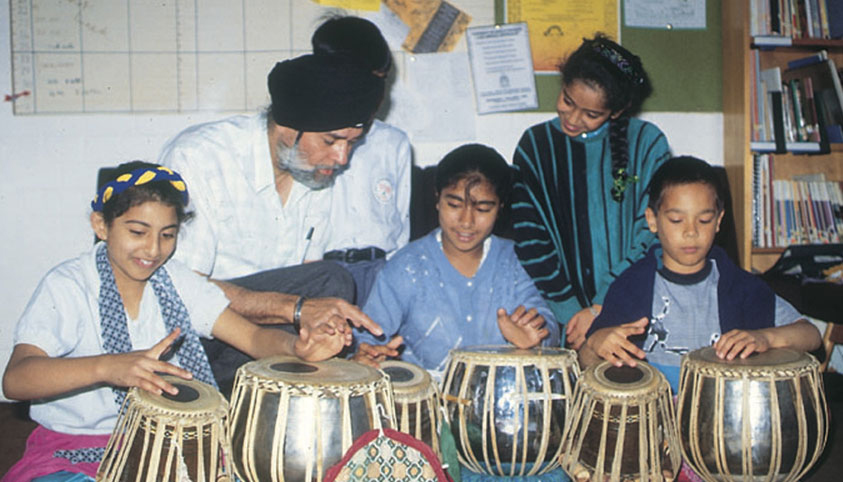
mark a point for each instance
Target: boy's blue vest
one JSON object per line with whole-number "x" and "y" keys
{"x": 745, "y": 301}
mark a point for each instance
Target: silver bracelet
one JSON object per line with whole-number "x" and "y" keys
{"x": 297, "y": 313}
{"x": 592, "y": 310}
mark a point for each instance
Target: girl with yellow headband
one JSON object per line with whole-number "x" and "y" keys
{"x": 118, "y": 317}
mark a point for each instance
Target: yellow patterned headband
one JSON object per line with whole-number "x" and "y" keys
{"x": 136, "y": 178}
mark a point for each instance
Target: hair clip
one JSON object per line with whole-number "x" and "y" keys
{"x": 621, "y": 180}
{"x": 618, "y": 60}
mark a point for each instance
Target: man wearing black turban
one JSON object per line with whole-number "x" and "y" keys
{"x": 257, "y": 188}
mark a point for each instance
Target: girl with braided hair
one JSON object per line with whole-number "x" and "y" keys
{"x": 580, "y": 189}
{"x": 118, "y": 316}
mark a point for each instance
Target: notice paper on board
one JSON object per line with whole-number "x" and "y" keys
{"x": 502, "y": 68}
{"x": 668, "y": 14}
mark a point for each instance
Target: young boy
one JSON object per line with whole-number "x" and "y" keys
{"x": 686, "y": 293}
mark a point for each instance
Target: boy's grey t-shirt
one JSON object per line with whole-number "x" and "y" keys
{"x": 685, "y": 317}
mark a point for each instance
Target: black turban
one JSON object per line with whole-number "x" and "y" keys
{"x": 322, "y": 93}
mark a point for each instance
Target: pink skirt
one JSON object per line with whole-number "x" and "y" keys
{"x": 48, "y": 452}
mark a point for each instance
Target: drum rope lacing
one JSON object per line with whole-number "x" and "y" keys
{"x": 250, "y": 392}
{"x": 805, "y": 385}
{"x": 562, "y": 360}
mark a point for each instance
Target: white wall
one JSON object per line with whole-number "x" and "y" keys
{"x": 48, "y": 167}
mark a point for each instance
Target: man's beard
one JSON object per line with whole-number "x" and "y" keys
{"x": 292, "y": 160}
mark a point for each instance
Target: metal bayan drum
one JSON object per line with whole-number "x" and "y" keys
{"x": 622, "y": 427}
{"x": 292, "y": 420}
{"x": 507, "y": 407}
{"x": 170, "y": 438}
{"x": 764, "y": 416}
{"x": 416, "y": 401}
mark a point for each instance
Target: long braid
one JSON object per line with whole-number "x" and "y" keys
{"x": 619, "y": 145}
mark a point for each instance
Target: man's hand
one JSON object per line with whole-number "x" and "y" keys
{"x": 741, "y": 343}
{"x": 335, "y": 313}
{"x": 523, "y": 328}
{"x": 612, "y": 344}
{"x": 141, "y": 368}
{"x": 579, "y": 324}
{"x": 270, "y": 308}
{"x": 372, "y": 355}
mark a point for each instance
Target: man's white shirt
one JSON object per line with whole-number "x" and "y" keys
{"x": 240, "y": 225}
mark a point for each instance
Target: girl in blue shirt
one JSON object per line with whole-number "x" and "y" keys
{"x": 460, "y": 285}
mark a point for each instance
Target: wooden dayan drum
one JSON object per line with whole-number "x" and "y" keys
{"x": 507, "y": 407}
{"x": 622, "y": 426}
{"x": 764, "y": 416}
{"x": 416, "y": 401}
{"x": 292, "y": 420}
{"x": 170, "y": 438}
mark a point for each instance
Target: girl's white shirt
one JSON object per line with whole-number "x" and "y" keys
{"x": 62, "y": 318}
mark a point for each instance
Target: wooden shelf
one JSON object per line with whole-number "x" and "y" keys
{"x": 818, "y": 43}
{"x": 757, "y": 250}
{"x": 737, "y": 155}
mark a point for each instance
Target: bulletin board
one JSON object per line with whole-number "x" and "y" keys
{"x": 684, "y": 65}
{"x": 202, "y": 57}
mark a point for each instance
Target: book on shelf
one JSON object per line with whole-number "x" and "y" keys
{"x": 788, "y": 114}
{"x": 770, "y": 83}
{"x": 767, "y": 202}
{"x": 810, "y": 112}
{"x": 804, "y": 25}
{"x": 824, "y": 26}
{"x": 762, "y": 202}
{"x": 780, "y": 219}
{"x": 801, "y": 210}
{"x": 809, "y": 60}
{"x": 827, "y": 92}
{"x": 756, "y": 99}
{"x": 835, "y": 18}
{"x": 756, "y": 199}
{"x": 771, "y": 20}
{"x": 781, "y": 118}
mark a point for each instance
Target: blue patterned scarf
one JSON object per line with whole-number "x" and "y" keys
{"x": 115, "y": 331}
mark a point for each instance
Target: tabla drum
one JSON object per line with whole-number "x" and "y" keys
{"x": 760, "y": 418}
{"x": 507, "y": 407}
{"x": 291, "y": 420}
{"x": 170, "y": 438}
{"x": 622, "y": 427}
{"x": 416, "y": 401}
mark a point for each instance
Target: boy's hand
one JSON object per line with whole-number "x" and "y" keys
{"x": 141, "y": 368}
{"x": 579, "y": 324}
{"x": 372, "y": 355}
{"x": 319, "y": 343}
{"x": 741, "y": 343}
{"x": 613, "y": 345}
{"x": 523, "y": 328}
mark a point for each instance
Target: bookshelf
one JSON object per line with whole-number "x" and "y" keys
{"x": 737, "y": 128}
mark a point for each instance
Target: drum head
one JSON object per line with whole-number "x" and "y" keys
{"x": 291, "y": 370}
{"x": 624, "y": 382}
{"x": 404, "y": 375}
{"x": 778, "y": 358}
{"x": 193, "y": 397}
{"x": 409, "y": 381}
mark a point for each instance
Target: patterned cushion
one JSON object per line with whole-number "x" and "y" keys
{"x": 389, "y": 456}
